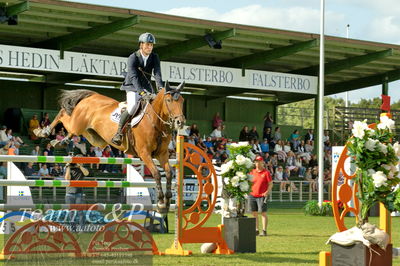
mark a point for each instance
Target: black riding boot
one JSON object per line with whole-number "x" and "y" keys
{"x": 117, "y": 139}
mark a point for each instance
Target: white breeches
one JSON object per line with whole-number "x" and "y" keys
{"x": 132, "y": 99}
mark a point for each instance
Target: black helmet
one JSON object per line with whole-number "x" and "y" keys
{"x": 147, "y": 37}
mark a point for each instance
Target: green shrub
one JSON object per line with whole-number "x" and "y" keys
{"x": 312, "y": 208}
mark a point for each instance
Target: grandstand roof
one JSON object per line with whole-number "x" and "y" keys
{"x": 350, "y": 64}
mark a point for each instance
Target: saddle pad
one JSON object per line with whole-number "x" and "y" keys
{"x": 116, "y": 116}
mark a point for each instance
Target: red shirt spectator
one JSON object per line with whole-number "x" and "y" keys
{"x": 261, "y": 180}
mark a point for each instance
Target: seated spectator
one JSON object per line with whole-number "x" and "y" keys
{"x": 265, "y": 146}
{"x": 291, "y": 162}
{"x": 194, "y": 131}
{"x": 256, "y": 147}
{"x": 76, "y": 146}
{"x": 56, "y": 171}
{"x": 33, "y": 124}
{"x": 301, "y": 148}
{"x": 286, "y": 176}
{"x": 29, "y": 170}
{"x": 279, "y": 150}
{"x": 244, "y": 134}
{"x": 274, "y": 161}
{"x": 299, "y": 165}
{"x": 325, "y": 138}
{"x": 48, "y": 151}
{"x": 267, "y": 158}
{"x": 191, "y": 140}
{"x": 294, "y": 139}
{"x": 15, "y": 139}
{"x": 14, "y": 148}
{"x": 313, "y": 162}
{"x": 45, "y": 121}
{"x": 60, "y": 135}
{"x": 202, "y": 145}
{"x": 36, "y": 151}
{"x": 223, "y": 132}
{"x": 5, "y": 148}
{"x": 43, "y": 171}
{"x": 309, "y": 146}
{"x": 278, "y": 176}
{"x": 277, "y": 134}
{"x": 217, "y": 133}
{"x": 106, "y": 168}
{"x": 217, "y": 120}
{"x": 286, "y": 147}
{"x": 309, "y": 177}
{"x": 309, "y": 135}
{"x": 253, "y": 134}
{"x": 3, "y": 136}
{"x": 267, "y": 134}
{"x": 98, "y": 153}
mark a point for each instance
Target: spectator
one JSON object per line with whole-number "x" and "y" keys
{"x": 191, "y": 140}
{"x": 277, "y": 134}
{"x": 217, "y": 120}
{"x": 260, "y": 190}
{"x": 36, "y": 151}
{"x": 29, "y": 170}
{"x": 268, "y": 121}
{"x": 267, "y": 134}
{"x": 15, "y": 139}
{"x": 194, "y": 131}
{"x": 217, "y": 133}
{"x": 60, "y": 135}
{"x": 274, "y": 160}
{"x": 45, "y": 121}
{"x": 313, "y": 162}
{"x": 309, "y": 177}
{"x": 301, "y": 149}
{"x": 309, "y": 147}
{"x": 279, "y": 150}
{"x": 106, "y": 168}
{"x": 279, "y": 178}
{"x": 223, "y": 132}
{"x": 253, "y": 134}
{"x": 202, "y": 145}
{"x": 208, "y": 143}
{"x": 48, "y": 151}
{"x": 3, "y": 169}
{"x": 74, "y": 195}
{"x": 265, "y": 146}
{"x": 244, "y": 134}
{"x": 286, "y": 176}
{"x": 309, "y": 135}
{"x": 286, "y": 147}
{"x": 291, "y": 162}
{"x": 33, "y": 124}
{"x": 43, "y": 171}
{"x": 294, "y": 139}
{"x": 56, "y": 171}
{"x": 3, "y": 136}
{"x": 14, "y": 148}
{"x": 299, "y": 165}
{"x": 5, "y": 148}
{"x": 325, "y": 138}
{"x": 256, "y": 147}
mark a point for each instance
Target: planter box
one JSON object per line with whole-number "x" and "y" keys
{"x": 240, "y": 234}
{"x": 360, "y": 255}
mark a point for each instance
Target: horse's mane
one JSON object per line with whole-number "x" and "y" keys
{"x": 70, "y": 98}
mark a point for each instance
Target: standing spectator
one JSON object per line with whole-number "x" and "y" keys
{"x": 45, "y": 121}
{"x": 36, "y": 151}
{"x": 74, "y": 195}
{"x": 253, "y": 134}
{"x": 217, "y": 120}
{"x": 309, "y": 135}
{"x": 33, "y": 124}
{"x": 261, "y": 188}
{"x": 3, "y": 136}
{"x": 29, "y": 170}
{"x": 217, "y": 133}
{"x": 43, "y": 171}
{"x": 244, "y": 134}
{"x": 268, "y": 121}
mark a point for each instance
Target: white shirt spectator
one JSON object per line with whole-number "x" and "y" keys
{"x": 278, "y": 148}
{"x": 278, "y": 175}
{"x": 286, "y": 148}
{"x": 43, "y": 172}
{"x": 216, "y": 133}
{"x": 3, "y": 136}
{"x": 257, "y": 148}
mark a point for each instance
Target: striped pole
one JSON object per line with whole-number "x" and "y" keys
{"x": 82, "y": 207}
{"x": 81, "y": 160}
{"x": 77, "y": 183}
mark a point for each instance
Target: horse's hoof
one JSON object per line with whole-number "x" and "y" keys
{"x": 38, "y": 133}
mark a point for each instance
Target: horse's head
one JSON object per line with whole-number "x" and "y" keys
{"x": 173, "y": 105}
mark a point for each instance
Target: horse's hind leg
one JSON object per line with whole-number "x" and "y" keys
{"x": 161, "y": 207}
{"x": 163, "y": 159}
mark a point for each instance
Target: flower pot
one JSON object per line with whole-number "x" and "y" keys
{"x": 361, "y": 255}
{"x": 240, "y": 234}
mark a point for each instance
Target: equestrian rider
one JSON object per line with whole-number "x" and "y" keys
{"x": 141, "y": 64}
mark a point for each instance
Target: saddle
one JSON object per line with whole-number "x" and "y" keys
{"x": 135, "y": 117}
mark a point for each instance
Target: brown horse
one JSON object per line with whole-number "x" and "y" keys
{"x": 87, "y": 113}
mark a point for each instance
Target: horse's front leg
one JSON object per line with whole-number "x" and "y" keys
{"x": 161, "y": 207}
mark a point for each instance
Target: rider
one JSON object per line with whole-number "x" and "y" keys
{"x": 141, "y": 64}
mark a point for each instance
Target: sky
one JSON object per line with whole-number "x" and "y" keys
{"x": 369, "y": 20}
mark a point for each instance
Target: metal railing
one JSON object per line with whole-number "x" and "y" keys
{"x": 304, "y": 191}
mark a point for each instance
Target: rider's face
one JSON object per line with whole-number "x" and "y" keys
{"x": 146, "y": 48}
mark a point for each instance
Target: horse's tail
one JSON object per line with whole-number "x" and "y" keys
{"x": 70, "y": 98}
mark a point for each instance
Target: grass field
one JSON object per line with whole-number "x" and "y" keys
{"x": 293, "y": 239}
